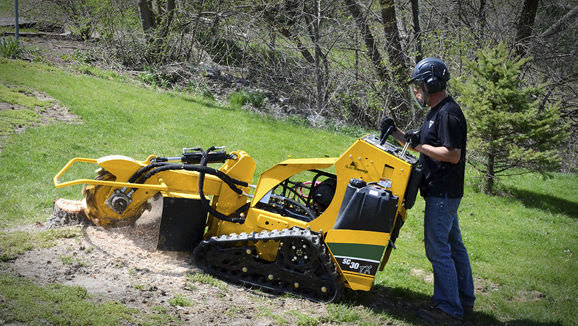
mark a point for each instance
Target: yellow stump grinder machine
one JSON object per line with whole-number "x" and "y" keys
{"x": 309, "y": 227}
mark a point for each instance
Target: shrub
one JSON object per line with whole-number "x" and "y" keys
{"x": 508, "y": 127}
{"x": 238, "y": 99}
{"x": 10, "y": 48}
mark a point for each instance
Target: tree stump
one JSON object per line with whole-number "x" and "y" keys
{"x": 68, "y": 212}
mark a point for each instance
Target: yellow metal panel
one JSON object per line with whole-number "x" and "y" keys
{"x": 328, "y": 161}
{"x": 358, "y": 281}
{"x": 357, "y": 247}
{"x": 181, "y": 181}
{"x": 122, "y": 167}
{"x": 242, "y": 169}
{"x": 357, "y": 236}
{"x": 271, "y": 223}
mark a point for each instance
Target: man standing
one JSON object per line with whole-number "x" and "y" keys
{"x": 441, "y": 142}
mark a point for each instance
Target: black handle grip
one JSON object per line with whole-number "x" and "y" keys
{"x": 213, "y": 157}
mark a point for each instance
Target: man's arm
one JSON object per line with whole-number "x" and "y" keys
{"x": 398, "y": 135}
{"x": 441, "y": 153}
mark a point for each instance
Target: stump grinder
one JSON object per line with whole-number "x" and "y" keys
{"x": 309, "y": 227}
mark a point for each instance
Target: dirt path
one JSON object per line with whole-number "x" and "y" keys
{"x": 123, "y": 265}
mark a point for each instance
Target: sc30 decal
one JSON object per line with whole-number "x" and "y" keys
{"x": 362, "y": 266}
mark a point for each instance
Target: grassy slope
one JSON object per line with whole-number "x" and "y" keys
{"x": 522, "y": 246}
{"x": 133, "y": 121}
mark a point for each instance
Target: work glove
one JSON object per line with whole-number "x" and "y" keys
{"x": 412, "y": 137}
{"x": 387, "y": 126}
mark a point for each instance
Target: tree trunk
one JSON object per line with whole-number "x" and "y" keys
{"x": 562, "y": 23}
{"x": 147, "y": 16}
{"x": 161, "y": 39}
{"x": 395, "y": 52}
{"x": 525, "y": 25}
{"x": 393, "y": 47}
{"x": 489, "y": 185}
{"x": 372, "y": 50}
{"x": 314, "y": 26}
{"x": 284, "y": 29}
{"x": 295, "y": 39}
{"x": 482, "y": 19}
{"x": 416, "y": 30}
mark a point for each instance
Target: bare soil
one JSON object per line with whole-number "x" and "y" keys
{"x": 122, "y": 264}
{"x": 57, "y": 51}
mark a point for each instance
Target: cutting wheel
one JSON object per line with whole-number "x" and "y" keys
{"x": 97, "y": 210}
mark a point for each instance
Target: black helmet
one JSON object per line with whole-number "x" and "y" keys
{"x": 432, "y": 73}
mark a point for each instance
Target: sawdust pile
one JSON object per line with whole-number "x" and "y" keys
{"x": 122, "y": 264}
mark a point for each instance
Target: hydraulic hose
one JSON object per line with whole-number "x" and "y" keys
{"x": 137, "y": 176}
{"x": 148, "y": 171}
{"x": 232, "y": 183}
{"x": 205, "y": 202}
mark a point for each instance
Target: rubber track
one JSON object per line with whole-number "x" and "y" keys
{"x": 227, "y": 257}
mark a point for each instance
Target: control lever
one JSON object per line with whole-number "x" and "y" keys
{"x": 384, "y": 135}
{"x": 405, "y": 147}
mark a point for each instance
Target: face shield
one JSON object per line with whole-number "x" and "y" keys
{"x": 418, "y": 92}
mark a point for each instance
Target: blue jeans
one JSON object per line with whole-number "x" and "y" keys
{"x": 453, "y": 281}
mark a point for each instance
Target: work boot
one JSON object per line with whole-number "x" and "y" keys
{"x": 438, "y": 316}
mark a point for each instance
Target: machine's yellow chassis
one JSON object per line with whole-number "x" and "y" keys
{"x": 357, "y": 253}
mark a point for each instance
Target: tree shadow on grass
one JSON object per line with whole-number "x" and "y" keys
{"x": 403, "y": 304}
{"x": 207, "y": 103}
{"x": 545, "y": 202}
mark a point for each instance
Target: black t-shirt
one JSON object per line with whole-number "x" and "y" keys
{"x": 445, "y": 125}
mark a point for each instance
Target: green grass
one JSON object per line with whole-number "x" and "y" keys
{"x": 10, "y": 29}
{"x": 180, "y": 300}
{"x": 99, "y": 72}
{"x": 522, "y": 244}
{"x": 72, "y": 260}
{"x": 240, "y": 98}
{"x": 6, "y": 8}
{"x": 522, "y": 248}
{"x": 10, "y": 47}
{"x": 13, "y": 244}
{"x": 55, "y": 304}
{"x": 161, "y": 316}
{"x": 31, "y": 304}
{"x": 134, "y": 121}
{"x": 25, "y": 108}
{"x": 21, "y": 96}
{"x": 205, "y": 279}
{"x": 278, "y": 318}
{"x": 303, "y": 319}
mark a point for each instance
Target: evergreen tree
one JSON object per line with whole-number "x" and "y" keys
{"x": 508, "y": 126}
